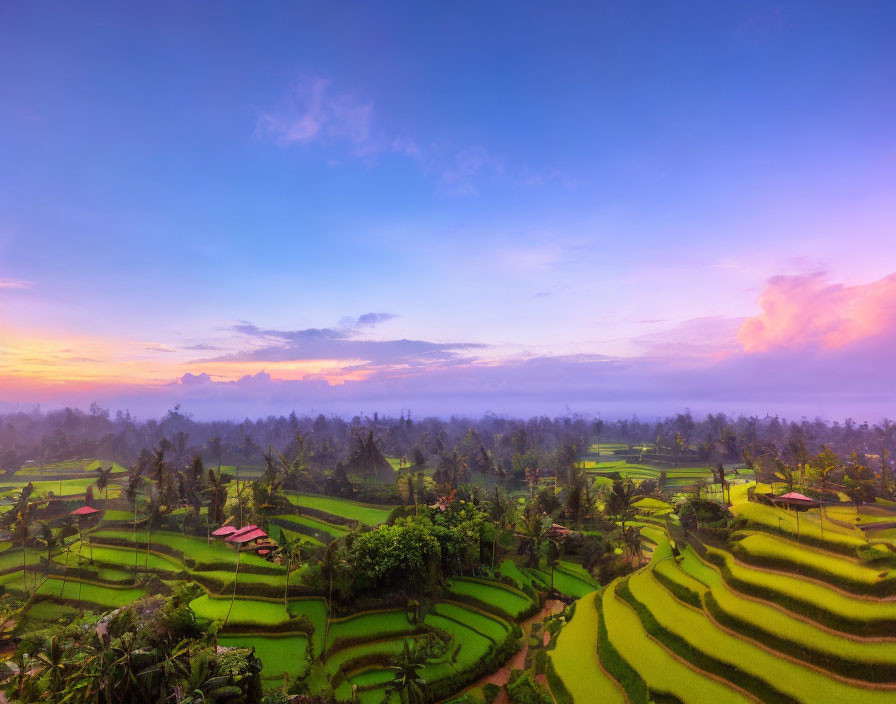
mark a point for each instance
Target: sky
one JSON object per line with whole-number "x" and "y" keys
{"x": 449, "y": 207}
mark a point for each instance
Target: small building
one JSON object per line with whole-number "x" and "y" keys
{"x": 795, "y": 500}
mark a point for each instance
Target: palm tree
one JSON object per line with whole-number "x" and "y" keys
{"x": 632, "y": 539}
{"x": 102, "y": 481}
{"x": 534, "y": 527}
{"x": 620, "y": 500}
{"x": 236, "y": 574}
{"x": 154, "y": 509}
{"x": 555, "y": 552}
{"x": 20, "y": 534}
{"x": 135, "y": 478}
{"x": 66, "y": 530}
{"x": 217, "y": 493}
{"x": 329, "y": 565}
{"x": 289, "y": 550}
{"x": 824, "y": 464}
{"x": 500, "y": 511}
{"x": 407, "y": 682}
{"x": 216, "y": 449}
{"x": 785, "y": 473}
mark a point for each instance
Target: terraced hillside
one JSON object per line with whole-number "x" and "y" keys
{"x": 762, "y": 618}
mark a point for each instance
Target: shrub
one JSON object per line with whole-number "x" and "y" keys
{"x": 490, "y": 692}
{"x": 525, "y": 690}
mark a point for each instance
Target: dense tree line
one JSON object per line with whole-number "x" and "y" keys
{"x": 506, "y": 446}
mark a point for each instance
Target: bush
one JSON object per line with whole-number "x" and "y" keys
{"x": 525, "y": 690}
{"x": 275, "y": 697}
{"x": 490, "y": 692}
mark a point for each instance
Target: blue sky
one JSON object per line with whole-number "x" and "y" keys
{"x": 614, "y": 180}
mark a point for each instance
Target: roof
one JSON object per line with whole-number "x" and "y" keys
{"x": 85, "y": 511}
{"x": 244, "y": 529}
{"x": 247, "y": 536}
{"x": 794, "y": 496}
{"x": 224, "y": 530}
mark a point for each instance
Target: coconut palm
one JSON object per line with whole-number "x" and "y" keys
{"x": 20, "y": 535}
{"x": 102, "y": 482}
{"x": 329, "y": 566}
{"x": 155, "y": 508}
{"x": 289, "y": 551}
{"x": 236, "y": 574}
{"x": 534, "y": 527}
{"x": 632, "y": 539}
{"x": 620, "y": 500}
{"x": 823, "y": 465}
{"x": 135, "y": 479}
{"x": 407, "y": 682}
{"x": 217, "y": 496}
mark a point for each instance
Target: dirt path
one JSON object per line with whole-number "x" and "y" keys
{"x": 501, "y": 676}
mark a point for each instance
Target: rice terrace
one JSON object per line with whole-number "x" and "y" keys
{"x": 442, "y": 352}
{"x": 495, "y": 560}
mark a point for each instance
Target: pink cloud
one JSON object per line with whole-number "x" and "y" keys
{"x": 809, "y": 312}
{"x": 14, "y": 283}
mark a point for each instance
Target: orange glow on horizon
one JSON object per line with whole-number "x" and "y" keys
{"x": 40, "y": 360}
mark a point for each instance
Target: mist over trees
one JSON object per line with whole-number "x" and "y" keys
{"x": 491, "y": 443}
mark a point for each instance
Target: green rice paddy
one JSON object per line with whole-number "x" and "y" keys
{"x": 575, "y": 658}
{"x": 367, "y": 514}
{"x": 508, "y": 602}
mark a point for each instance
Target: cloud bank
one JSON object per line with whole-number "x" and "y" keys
{"x": 815, "y": 348}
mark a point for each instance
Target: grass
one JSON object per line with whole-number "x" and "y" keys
{"x": 279, "y": 654}
{"x": 331, "y": 529}
{"x": 652, "y": 505}
{"x": 369, "y": 626}
{"x": 488, "y": 626}
{"x": 508, "y": 568}
{"x": 737, "y": 655}
{"x": 473, "y": 647}
{"x": 565, "y": 583}
{"x": 76, "y": 487}
{"x": 70, "y": 466}
{"x": 661, "y": 671}
{"x": 246, "y": 612}
{"x": 382, "y": 648}
{"x": 48, "y": 611}
{"x": 804, "y": 641}
{"x": 576, "y": 570}
{"x": 121, "y": 557}
{"x": 103, "y": 596}
{"x": 507, "y": 601}
{"x": 767, "y": 518}
{"x": 197, "y": 548}
{"x": 766, "y": 549}
{"x": 365, "y": 513}
{"x": 816, "y": 601}
{"x": 575, "y": 658}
